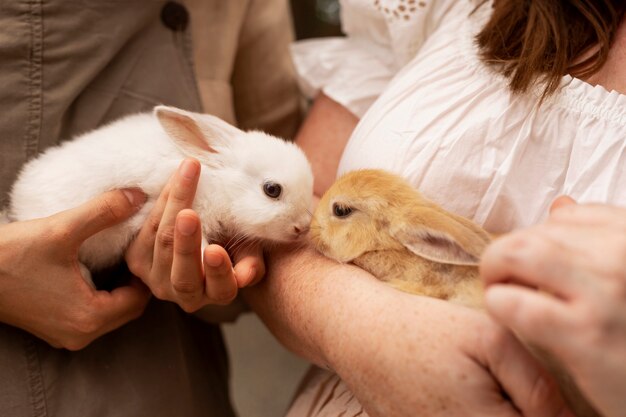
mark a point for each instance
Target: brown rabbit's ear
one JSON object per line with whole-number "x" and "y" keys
{"x": 441, "y": 237}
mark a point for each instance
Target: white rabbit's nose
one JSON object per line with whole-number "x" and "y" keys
{"x": 300, "y": 230}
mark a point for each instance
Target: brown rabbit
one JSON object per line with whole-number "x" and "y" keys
{"x": 377, "y": 221}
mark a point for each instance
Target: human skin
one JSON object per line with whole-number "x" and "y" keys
{"x": 166, "y": 254}
{"x": 400, "y": 354}
{"x": 303, "y": 326}
{"x": 578, "y": 259}
{"x": 326, "y": 313}
{"x": 41, "y": 288}
{"x": 561, "y": 286}
{"x": 43, "y": 292}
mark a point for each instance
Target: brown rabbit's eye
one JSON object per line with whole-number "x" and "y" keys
{"x": 341, "y": 211}
{"x": 272, "y": 189}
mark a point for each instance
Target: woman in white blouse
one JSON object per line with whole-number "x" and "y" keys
{"x": 496, "y": 143}
{"x": 431, "y": 110}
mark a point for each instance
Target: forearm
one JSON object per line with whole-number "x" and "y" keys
{"x": 386, "y": 345}
{"x": 323, "y": 137}
{"x": 331, "y": 313}
{"x": 302, "y": 294}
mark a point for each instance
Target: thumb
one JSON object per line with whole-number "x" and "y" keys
{"x": 121, "y": 305}
{"x": 533, "y": 391}
{"x": 104, "y": 211}
{"x": 561, "y": 201}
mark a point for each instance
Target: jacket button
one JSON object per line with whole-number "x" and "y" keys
{"x": 175, "y": 16}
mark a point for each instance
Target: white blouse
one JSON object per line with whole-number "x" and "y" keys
{"x": 432, "y": 112}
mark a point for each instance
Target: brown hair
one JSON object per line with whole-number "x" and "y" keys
{"x": 541, "y": 40}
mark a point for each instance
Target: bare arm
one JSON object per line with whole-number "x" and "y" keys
{"x": 400, "y": 354}
{"x": 323, "y": 136}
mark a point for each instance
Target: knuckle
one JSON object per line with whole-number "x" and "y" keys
{"x": 542, "y": 392}
{"x": 497, "y": 338}
{"x": 85, "y": 323}
{"x": 137, "y": 267}
{"x": 180, "y": 196}
{"x": 186, "y": 287}
{"x": 161, "y": 293}
{"x": 514, "y": 248}
{"x": 186, "y": 249}
{"x": 190, "y": 306}
{"x": 516, "y": 241}
{"x": 137, "y": 311}
{"x": 59, "y": 230}
{"x": 223, "y": 296}
{"x": 153, "y": 224}
{"x": 75, "y": 343}
{"x": 165, "y": 237}
{"x": 107, "y": 210}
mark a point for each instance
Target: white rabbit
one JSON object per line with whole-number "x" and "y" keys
{"x": 251, "y": 183}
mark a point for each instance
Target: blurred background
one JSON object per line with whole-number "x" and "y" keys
{"x": 315, "y": 18}
{"x": 264, "y": 375}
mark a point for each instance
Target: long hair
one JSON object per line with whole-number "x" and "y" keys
{"x": 532, "y": 41}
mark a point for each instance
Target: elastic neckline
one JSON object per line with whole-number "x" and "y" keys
{"x": 573, "y": 94}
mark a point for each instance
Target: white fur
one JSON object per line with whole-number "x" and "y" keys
{"x": 137, "y": 152}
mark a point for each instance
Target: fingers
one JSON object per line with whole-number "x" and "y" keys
{"x": 590, "y": 215}
{"x": 141, "y": 251}
{"x": 120, "y": 306}
{"x": 187, "y": 275}
{"x": 102, "y": 212}
{"x": 181, "y": 195}
{"x": 561, "y": 201}
{"x": 533, "y": 260}
{"x": 533, "y": 391}
{"x": 249, "y": 266}
{"x": 536, "y": 317}
{"x": 151, "y": 254}
{"x": 220, "y": 283}
{"x": 87, "y": 319}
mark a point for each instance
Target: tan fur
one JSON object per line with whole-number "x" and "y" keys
{"x": 381, "y": 236}
{"x": 410, "y": 273}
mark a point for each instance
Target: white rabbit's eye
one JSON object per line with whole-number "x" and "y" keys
{"x": 341, "y": 211}
{"x": 272, "y": 189}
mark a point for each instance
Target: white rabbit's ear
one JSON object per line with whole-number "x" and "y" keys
{"x": 442, "y": 237}
{"x": 195, "y": 133}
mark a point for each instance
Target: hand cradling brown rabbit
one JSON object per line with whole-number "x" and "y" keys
{"x": 377, "y": 221}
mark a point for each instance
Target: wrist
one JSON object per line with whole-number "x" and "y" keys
{"x": 302, "y": 300}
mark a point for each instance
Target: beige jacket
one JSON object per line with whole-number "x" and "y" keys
{"x": 67, "y": 66}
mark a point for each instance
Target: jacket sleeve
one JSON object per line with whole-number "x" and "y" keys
{"x": 265, "y": 90}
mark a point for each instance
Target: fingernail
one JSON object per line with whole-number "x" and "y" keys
{"x": 252, "y": 273}
{"x": 213, "y": 259}
{"x": 187, "y": 226}
{"x": 135, "y": 196}
{"x": 189, "y": 168}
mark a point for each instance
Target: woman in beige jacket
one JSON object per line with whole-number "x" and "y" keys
{"x": 72, "y": 66}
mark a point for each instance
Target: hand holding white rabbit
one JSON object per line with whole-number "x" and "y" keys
{"x": 41, "y": 287}
{"x": 252, "y": 187}
{"x": 167, "y": 252}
